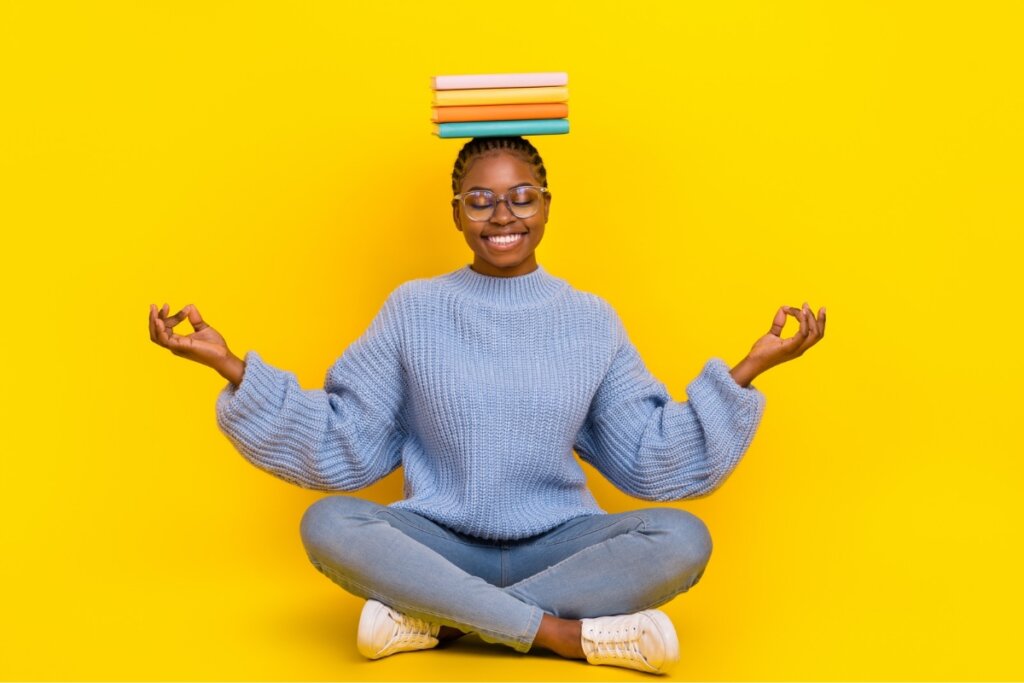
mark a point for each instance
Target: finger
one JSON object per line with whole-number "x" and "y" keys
{"x": 821, "y": 316}
{"x": 166, "y": 335}
{"x": 161, "y": 332}
{"x": 812, "y": 329}
{"x": 812, "y": 322}
{"x": 791, "y": 345}
{"x": 194, "y": 318}
{"x": 176, "y": 318}
{"x": 779, "y": 322}
{"x": 801, "y": 315}
{"x": 152, "y": 324}
{"x": 798, "y": 314}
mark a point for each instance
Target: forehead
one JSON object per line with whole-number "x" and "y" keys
{"x": 498, "y": 171}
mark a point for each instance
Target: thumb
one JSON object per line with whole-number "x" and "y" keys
{"x": 194, "y": 318}
{"x": 779, "y": 322}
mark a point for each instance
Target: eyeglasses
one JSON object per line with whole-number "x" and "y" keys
{"x": 522, "y": 201}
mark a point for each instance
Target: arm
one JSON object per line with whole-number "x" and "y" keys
{"x": 658, "y": 449}
{"x": 343, "y": 437}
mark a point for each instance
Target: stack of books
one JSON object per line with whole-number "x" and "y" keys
{"x": 488, "y": 105}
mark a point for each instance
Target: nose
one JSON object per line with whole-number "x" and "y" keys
{"x": 502, "y": 214}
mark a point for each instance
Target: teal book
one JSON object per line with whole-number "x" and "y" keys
{"x": 481, "y": 129}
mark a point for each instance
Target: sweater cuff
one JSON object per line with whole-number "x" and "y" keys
{"x": 741, "y": 407}
{"x": 259, "y": 388}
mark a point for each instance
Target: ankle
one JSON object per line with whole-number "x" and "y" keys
{"x": 561, "y": 636}
{"x": 447, "y": 633}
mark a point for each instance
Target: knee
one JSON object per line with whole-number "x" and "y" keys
{"x": 326, "y": 519}
{"x": 685, "y": 534}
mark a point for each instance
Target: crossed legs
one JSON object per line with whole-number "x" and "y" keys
{"x": 518, "y": 593}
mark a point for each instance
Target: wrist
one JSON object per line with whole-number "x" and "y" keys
{"x": 231, "y": 368}
{"x": 745, "y": 371}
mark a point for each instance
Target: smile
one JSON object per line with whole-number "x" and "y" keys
{"x": 505, "y": 241}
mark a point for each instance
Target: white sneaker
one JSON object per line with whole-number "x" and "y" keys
{"x": 645, "y": 641}
{"x": 384, "y": 631}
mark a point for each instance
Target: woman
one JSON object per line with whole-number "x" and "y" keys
{"x": 481, "y": 383}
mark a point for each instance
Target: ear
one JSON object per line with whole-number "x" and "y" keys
{"x": 456, "y": 217}
{"x": 547, "y": 205}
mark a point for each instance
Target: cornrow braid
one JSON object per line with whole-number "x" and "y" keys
{"x": 479, "y": 146}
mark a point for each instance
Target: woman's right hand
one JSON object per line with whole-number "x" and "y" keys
{"x": 205, "y": 345}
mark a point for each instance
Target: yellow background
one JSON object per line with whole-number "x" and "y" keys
{"x": 272, "y": 163}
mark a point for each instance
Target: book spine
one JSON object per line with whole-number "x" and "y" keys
{"x": 500, "y": 112}
{"x": 513, "y": 80}
{"x": 444, "y": 98}
{"x": 476, "y": 129}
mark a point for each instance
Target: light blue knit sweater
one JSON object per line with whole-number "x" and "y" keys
{"x": 481, "y": 387}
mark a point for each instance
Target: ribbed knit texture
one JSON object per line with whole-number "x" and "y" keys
{"x": 481, "y": 387}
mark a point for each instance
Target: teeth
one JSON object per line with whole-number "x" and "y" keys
{"x": 505, "y": 240}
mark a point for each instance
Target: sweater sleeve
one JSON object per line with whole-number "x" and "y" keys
{"x": 343, "y": 437}
{"x": 655, "y": 448}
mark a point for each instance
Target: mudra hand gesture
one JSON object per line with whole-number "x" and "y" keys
{"x": 771, "y": 349}
{"x": 205, "y": 345}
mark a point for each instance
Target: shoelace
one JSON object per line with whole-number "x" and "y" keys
{"x": 622, "y": 642}
{"x": 407, "y": 629}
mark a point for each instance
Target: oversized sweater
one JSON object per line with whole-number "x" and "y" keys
{"x": 481, "y": 388}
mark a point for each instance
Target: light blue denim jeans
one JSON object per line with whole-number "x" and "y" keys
{"x": 590, "y": 566}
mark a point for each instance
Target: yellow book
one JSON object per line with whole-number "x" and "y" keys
{"x": 444, "y": 98}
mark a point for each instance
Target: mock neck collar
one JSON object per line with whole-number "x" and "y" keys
{"x": 517, "y": 291}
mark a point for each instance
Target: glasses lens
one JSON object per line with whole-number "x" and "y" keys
{"x": 479, "y": 204}
{"x": 524, "y": 201}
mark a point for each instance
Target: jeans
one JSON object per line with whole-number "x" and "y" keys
{"x": 590, "y": 566}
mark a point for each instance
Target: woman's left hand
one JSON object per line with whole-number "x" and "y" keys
{"x": 771, "y": 350}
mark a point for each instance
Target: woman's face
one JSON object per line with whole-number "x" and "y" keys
{"x": 499, "y": 172}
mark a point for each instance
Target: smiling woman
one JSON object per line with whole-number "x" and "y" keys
{"x": 498, "y": 533}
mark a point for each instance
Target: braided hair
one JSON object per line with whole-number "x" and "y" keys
{"x": 480, "y": 146}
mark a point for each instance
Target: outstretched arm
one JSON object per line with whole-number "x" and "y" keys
{"x": 656, "y": 448}
{"x": 343, "y": 437}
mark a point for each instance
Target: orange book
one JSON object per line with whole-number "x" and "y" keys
{"x": 500, "y": 112}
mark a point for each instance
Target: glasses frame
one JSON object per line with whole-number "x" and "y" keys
{"x": 461, "y": 199}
